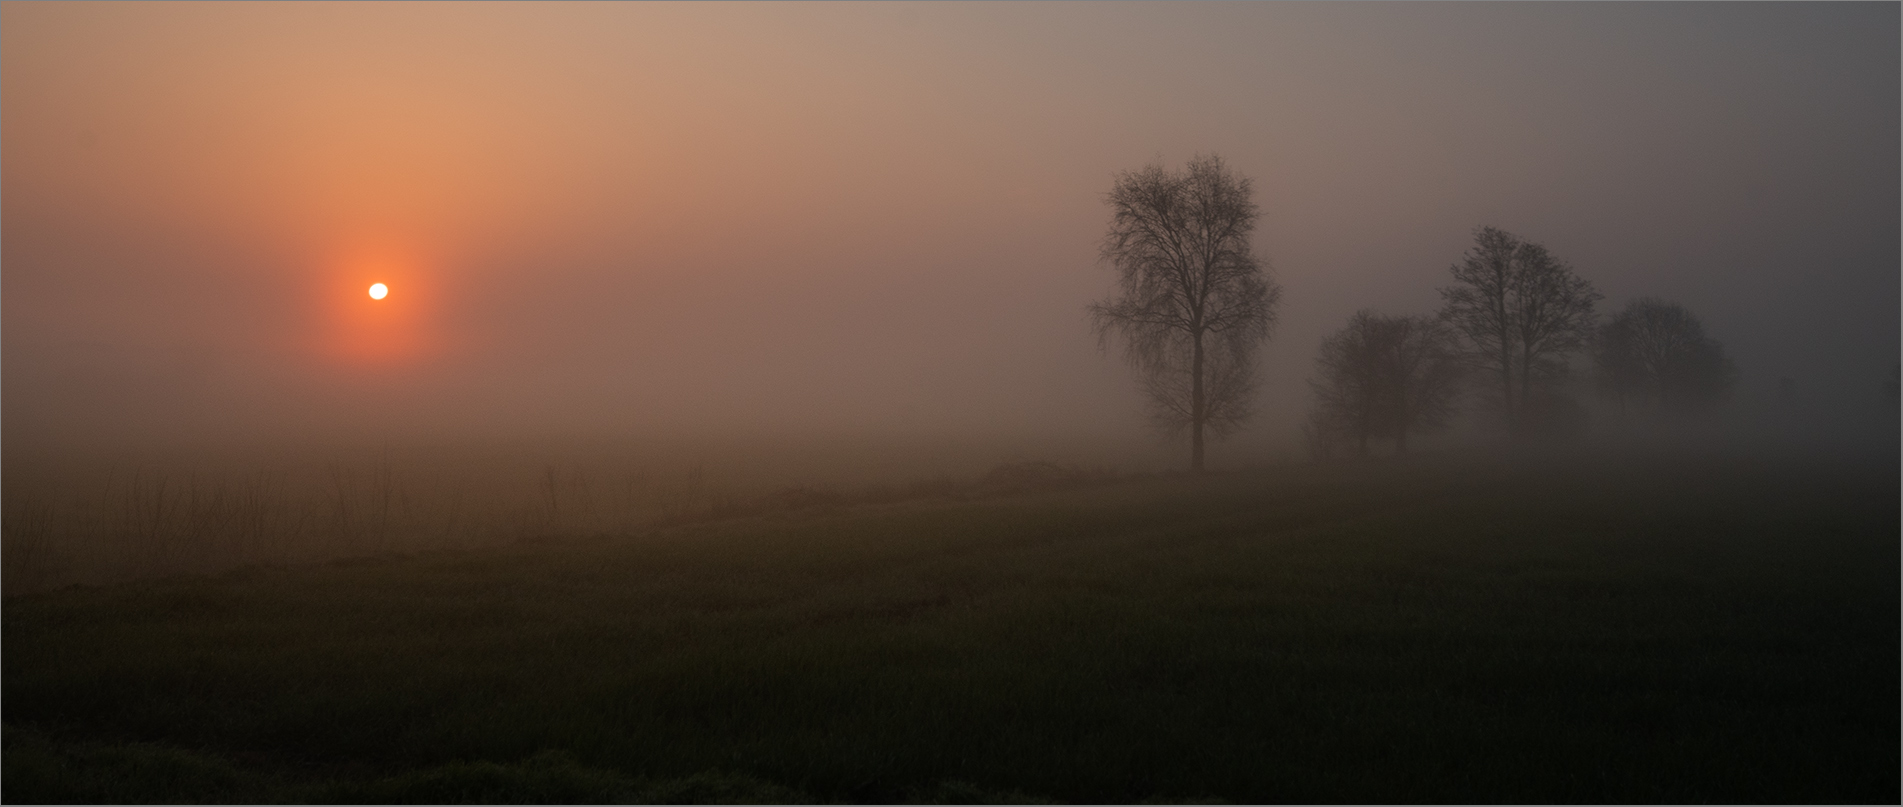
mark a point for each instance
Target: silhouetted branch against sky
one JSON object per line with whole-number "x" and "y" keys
{"x": 1523, "y": 312}
{"x": 1195, "y": 302}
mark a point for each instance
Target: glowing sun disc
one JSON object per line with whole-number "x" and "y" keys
{"x": 378, "y": 291}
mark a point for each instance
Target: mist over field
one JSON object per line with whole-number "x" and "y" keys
{"x": 1316, "y": 402}
{"x": 878, "y": 221}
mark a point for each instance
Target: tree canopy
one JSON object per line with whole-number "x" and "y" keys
{"x": 1194, "y": 301}
{"x": 1655, "y": 355}
{"x": 1521, "y": 312}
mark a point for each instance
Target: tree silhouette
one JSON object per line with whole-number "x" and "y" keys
{"x": 1348, "y": 384}
{"x": 1195, "y": 303}
{"x": 1384, "y": 377}
{"x": 1655, "y": 354}
{"x": 1424, "y": 373}
{"x": 1521, "y": 311}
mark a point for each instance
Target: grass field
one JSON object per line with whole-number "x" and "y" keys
{"x": 1437, "y": 629}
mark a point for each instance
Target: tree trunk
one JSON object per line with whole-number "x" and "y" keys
{"x": 1526, "y": 378}
{"x": 1196, "y": 413}
{"x": 1401, "y": 420}
{"x": 1506, "y": 385}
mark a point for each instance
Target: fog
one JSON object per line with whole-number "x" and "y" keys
{"x": 874, "y": 228}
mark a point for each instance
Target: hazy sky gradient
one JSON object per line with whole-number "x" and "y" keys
{"x": 875, "y": 218}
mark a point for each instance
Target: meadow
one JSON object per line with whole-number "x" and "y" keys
{"x": 98, "y": 518}
{"x": 1456, "y": 628}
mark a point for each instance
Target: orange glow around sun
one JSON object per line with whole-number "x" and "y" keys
{"x": 380, "y": 328}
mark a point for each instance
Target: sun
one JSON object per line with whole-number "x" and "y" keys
{"x": 378, "y": 291}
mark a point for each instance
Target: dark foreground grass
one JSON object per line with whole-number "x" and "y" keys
{"x": 1599, "y": 631}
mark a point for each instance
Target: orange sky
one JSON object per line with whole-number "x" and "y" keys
{"x": 618, "y": 218}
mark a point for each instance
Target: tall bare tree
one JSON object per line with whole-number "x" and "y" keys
{"x": 1552, "y": 316}
{"x": 1521, "y": 310}
{"x": 1383, "y": 376}
{"x": 1479, "y": 307}
{"x": 1656, "y": 354}
{"x": 1195, "y": 302}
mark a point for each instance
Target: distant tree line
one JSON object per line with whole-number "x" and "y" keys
{"x": 1655, "y": 355}
{"x": 1509, "y": 327}
{"x": 1195, "y": 304}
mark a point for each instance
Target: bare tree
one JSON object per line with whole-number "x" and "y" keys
{"x": 1384, "y": 377}
{"x": 1348, "y": 384}
{"x": 1521, "y": 310}
{"x": 1553, "y": 314}
{"x": 1195, "y": 303}
{"x": 1424, "y": 375}
{"x": 1656, "y": 354}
